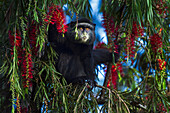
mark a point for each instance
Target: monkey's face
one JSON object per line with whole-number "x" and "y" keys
{"x": 85, "y": 35}
{"x": 85, "y": 32}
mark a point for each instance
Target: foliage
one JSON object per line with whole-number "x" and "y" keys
{"x": 30, "y": 83}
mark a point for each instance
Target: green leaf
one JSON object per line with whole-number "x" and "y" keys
{"x": 65, "y": 104}
{"x": 123, "y": 35}
{"x": 46, "y": 95}
{"x": 36, "y": 16}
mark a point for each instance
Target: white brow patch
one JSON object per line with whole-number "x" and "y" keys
{"x": 86, "y": 24}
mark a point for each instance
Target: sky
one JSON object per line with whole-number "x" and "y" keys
{"x": 97, "y": 19}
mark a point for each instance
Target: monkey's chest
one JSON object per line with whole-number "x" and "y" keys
{"x": 71, "y": 67}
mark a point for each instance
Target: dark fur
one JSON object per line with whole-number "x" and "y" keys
{"x": 76, "y": 61}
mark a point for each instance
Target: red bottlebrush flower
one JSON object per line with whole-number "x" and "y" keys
{"x": 112, "y": 31}
{"x": 12, "y": 40}
{"x": 134, "y": 30}
{"x": 162, "y": 64}
{"x": 119, "y": 68}
{"x": 15, "y": 40}
{"x": 100, "y": 45}
{"x": 32, "y": 38}
{"x": 27, "y": 83}
{"x": 156, "y": 43}
{"x": 18, "y": 105}
{"x": 110, "y": 27}
{"x": 113, "y": 77}
{"x": 162, "y": 8}
{"x": 160, "y": 11}
{"x": 141, "y": 30}
{"x": 161, "y": 108}
{"x": 56, "y": 16}
{"x": 27, "y": 70}
{"x": 116, "y": 48}
{"x": 130, "y": 41}
{"x": 24, "y": 110}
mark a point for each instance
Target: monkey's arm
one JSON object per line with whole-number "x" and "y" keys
{"x": 59, "y": 40}
{"x": 102, "y": 56}
{"x": 55, "y": 36}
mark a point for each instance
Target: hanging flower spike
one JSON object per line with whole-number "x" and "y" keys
{"x": 161, "y": 108}
{"x": 19, "y": 47}
{"x": 12, "y": 38}
{"x": 109, "y": 25}
{"x": 116, "y": 50}
{"x": 24, "y": 110}
{"x": 156, "y": 43}
{"x": 110, "y": 29}
{"x": 32, "y": 38}
{"x": 162, "y": 64}
{"x": 130, "y": 41}
{"x": 114, "y": 76}
{"x": 112, "y": 32}
{"x": 27, "y": 70}
{"x": 141, "y": 30}
{"x": 106, "y": 24}
{"x": 17, "y": 42}
{"x": 18, "y": 105}
{"x": 56, "y": 16}
{"x": 161, "y": 8}
{"x": 119, "y": 68}
{"x": 134, "y": 29}
{"x": 102, "y": 45}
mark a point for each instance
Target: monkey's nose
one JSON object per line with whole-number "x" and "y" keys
{"x": 84, "y": 37}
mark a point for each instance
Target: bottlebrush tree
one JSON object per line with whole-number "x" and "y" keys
{"x": 137, "y": 32}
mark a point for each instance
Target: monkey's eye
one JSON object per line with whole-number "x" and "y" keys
{"x": 81, "y": 29}
{"x": 87, "y": 29}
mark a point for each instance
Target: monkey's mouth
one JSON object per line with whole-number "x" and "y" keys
{"x": 85, "y": 39}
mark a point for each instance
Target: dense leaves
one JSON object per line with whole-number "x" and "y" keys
{"x": 137, "y": 31}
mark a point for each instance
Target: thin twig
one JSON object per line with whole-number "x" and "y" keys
{"x": 116, "y": 95}
{"x": 109, "y": 106}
